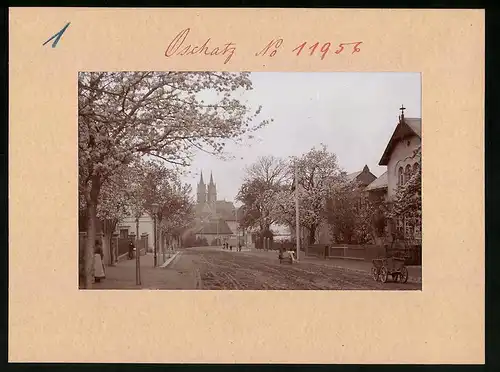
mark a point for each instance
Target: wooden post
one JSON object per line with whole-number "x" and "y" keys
{"x": 137, "y": 253}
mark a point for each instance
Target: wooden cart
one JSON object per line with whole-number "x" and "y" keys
{"x": 393, "y": 266}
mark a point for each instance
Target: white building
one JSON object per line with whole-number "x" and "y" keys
{"x": 401, "y": 161}
{"x": 129, "y": 226}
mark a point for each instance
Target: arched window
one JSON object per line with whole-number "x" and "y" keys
{"x": 415, "y": 167}
{"x": 400, "y": 176}
{"x": 407, "y": 172}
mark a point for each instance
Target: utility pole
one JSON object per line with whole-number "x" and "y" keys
{"x": 237, "y": 230}
{"x": 155, "y": 212}
{"x": 154, "y": 237}
{"x": 137, "y": 253}
{"x": 297, "y": 220}
{"x": 163, "y": 240}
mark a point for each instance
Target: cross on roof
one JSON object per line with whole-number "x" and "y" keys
{"x": 402, "y": 108}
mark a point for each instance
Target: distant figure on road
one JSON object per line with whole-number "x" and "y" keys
{"x": 285, "y": 254}
{"x": 131, "y": 249}
{"x": 239, "y": 247}
{"x": 281, "y": 252}
{"x": 99, "y": 272}
{"x": 230, "y": 247}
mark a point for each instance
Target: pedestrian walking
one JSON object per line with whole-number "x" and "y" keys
{"x": 230, "y": 247}
{"x": 131, "y": 249}
{"x": 99, "y": 271}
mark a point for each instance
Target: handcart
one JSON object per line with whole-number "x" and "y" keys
{"x": 393, "y": 266}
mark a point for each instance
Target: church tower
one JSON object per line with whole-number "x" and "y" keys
{"x": 201, "y": 191}
{"x": 212, "y": 191}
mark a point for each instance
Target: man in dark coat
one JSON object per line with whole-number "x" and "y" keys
{"x": 131, "y": 249}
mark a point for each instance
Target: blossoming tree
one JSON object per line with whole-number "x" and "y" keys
{"x": 263, "y": 179}
{"x": 161, "y": 114}
{"x": 319, "y": 175}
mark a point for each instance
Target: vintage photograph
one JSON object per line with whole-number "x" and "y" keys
{"x": 249, "y": 180}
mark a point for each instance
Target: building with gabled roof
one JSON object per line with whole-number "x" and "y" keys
{"x": 399, "y": 154}
{"x": 377, "y": 190}
{"x": 402, "y": 161}
{"x": 211, "y": 213}
{"x": 364, "y": 177}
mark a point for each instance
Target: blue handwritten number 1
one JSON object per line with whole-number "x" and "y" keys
{"x": 57, "y": 36}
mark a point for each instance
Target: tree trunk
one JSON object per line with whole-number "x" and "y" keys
{"x": 109, "y": 228}
{"x": 91, "y": 231}
{"x": 89, "y": 247}
{"x": 312, "y": 234}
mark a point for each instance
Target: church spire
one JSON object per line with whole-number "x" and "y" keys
{"x": 211, "y": 190}
{"x": 201, "y": 191}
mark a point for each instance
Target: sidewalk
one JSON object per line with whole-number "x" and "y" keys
{"x": 414, "y": 272}
{"x": 122, "y": 276}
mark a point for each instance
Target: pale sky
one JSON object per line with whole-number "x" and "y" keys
{"x": 353, "y": 114}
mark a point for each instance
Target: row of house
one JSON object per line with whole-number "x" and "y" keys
{"x": 401, "y": 162}
{"x": 216, "y": 219}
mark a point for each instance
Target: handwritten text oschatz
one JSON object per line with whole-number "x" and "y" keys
{"x": 179, "y": 46}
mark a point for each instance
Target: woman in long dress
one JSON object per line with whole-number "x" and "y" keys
{"x": 99, "y": 272}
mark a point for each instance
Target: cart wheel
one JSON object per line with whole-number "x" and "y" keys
{"x": 383, "y": 274}
{"x": 375, "y": 274}
{"x": 404, "y": 275}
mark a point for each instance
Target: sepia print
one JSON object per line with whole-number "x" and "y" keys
{"x": 250, "y": 181}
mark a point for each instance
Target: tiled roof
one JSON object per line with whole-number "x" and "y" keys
{"x": 211, "y": 227}
{"x": 413, "y": 127}
{"x": 379, "y": 183}
{"x": 415, "y": 124}
{"x": 225, "y": 210}
{"x": 352, "y": 176}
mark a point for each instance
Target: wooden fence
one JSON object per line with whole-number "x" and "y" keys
{"x": 118, "y": 245}
{"x": 412, "y": 254}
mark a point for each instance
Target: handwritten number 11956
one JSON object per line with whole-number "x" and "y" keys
{"x": 325, "y": 48}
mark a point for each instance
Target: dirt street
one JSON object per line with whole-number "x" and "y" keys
{"x": 217, "y": 269}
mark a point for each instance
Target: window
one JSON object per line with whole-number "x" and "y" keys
{"x": 415, "y": 167}
{"x": 418, "y": 227}
{"x": 409, "y": 228}
{"x": 124, "y": 233}
{"x": 407, "y": 173}
{"x": 399, "y": 224}
{"x": 400, "y": 176}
